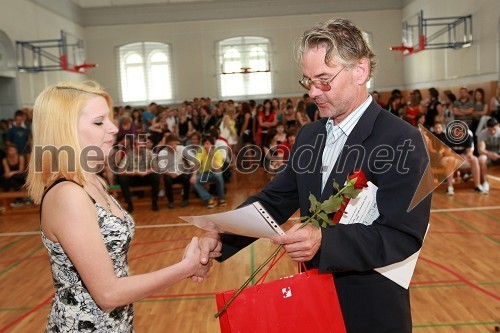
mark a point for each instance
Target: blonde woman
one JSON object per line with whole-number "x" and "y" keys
{"x": 86, "y": 232}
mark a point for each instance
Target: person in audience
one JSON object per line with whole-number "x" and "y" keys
{"x": 14, "y": 176}
{"x": 488, "y": 146}
{"x": 172, "y": 121}
{"x": 290, "y": 118}
{"x": 420, "y": 120}
{"x": 311, "y": 107}
{"x": 276, "y": 107}
{"x": 434, "y": 108}
{"x": 227, "y": 131}
{"x": 14, "y": 168}
{"x": 18, "y": 134}
{"x": 185, "y": 125}
{"x": 449, "y": 101}
{"x": 196, "y": 120}
{"x": 136, "y": 169}
{"x": 301, "y": 114}
{"x": 279, "y": 137}
{"x": 245, "y": 125}
{"x": 413, "y": 109}
{"x": 463, "y": 146}
{"x": 149, "y": 115}
{"x": 395, "y": 106}
{"x": 136, "y": 116}
{"x": 267, "y": 119}
{"x": 207, "y": 118}
{"x": 282, "y": 150}
{"x": 463, "y": 107}
{"x": 158, "y": 130}
{"x": 4, "y": 128}
{"x": 209, "y": 163}
{"x": 175, "y": 171}
{"x": 126, "y": 130}
{"x": 86, "y": 232}
{"x": 376, "y": 97}
{"x": 195, "y": 139}
{"x": 481, "y": 111}
{"x": 495, "y": 105}
{"x": 222, "y": 145}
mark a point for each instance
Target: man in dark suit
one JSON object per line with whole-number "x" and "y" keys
{"x": 354, "y": 132}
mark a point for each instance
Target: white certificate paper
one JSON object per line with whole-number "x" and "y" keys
{"x": 252, "y": 220}
{"x": 363, "y": 209}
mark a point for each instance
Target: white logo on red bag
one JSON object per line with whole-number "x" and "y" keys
{"x": 287, "y": 292}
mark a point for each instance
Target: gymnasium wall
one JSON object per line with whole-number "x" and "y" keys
{"x": 24, "y": 21}
{"x": 194, "y": 48}
{"x": 478, "y": 64}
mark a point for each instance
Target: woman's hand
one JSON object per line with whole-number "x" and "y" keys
{"x": 191, "y": 257}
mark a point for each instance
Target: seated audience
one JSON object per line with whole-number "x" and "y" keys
{"x": 209, "y": 169}
{"x": 14, "y": 176}
{"x": 18, "y": 134}
{"x": 488, "y": 146}
{"x": 463, "y": 107}
{"x": 135, "y": 170}
{"x": 175, "y": 171}
{"x": 465, "y": 148}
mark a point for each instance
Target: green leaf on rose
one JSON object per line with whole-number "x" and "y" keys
{"x": 351, "y": 192}
{"x": 336, "y": 186}
{"x": 303, "y": 218}
{"x": 315, "y": 222}
{"x": 332, "y": 204}
{"x": 314, "y": 203}
{"x": 323, "y": 216}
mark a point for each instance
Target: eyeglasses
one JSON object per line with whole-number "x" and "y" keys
{"x": 321, "y": 83}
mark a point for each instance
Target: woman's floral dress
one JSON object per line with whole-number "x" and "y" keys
{"x": 73, "y": 309}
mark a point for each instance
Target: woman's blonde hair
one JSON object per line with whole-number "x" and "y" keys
{"x": 56, "y": 149}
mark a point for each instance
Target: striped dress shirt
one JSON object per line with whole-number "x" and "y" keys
{"x": 336, "y": 136}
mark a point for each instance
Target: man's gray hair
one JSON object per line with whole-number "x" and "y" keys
{"x": 342, "y": 39}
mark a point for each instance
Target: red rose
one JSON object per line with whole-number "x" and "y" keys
{"x": 361, "y": 181}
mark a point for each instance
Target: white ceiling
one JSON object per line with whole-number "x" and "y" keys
{"x": 117, "y": 3}
{"x": 116, "y": 12}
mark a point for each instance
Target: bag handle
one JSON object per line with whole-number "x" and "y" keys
{"x": 301, "y": 268}
{"x": 271, "y": 265}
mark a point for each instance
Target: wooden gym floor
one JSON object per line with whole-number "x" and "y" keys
{"x": 456, "y": 286}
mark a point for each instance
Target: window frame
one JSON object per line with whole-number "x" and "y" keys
{"x": 146, "y": 50}
{"x": 244, "y": 45}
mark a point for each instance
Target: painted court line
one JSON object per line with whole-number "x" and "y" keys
{"x": 461, "y": 278}
{"x": 446, "y": 210}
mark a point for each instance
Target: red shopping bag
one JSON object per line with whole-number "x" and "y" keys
{"x": 305, "y": 302}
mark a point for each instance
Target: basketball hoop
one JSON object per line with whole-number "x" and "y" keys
{"x": 401, "y": 48}
{"x": 76, "y": 68}
{"x": 407, "y": 50}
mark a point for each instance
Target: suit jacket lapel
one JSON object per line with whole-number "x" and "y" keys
{"x": 319, "y": 146}
{"x": 348, "y": 159}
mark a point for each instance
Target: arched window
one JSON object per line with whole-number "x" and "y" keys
{"x": 145, "y": 72}
{"x": 245, "y": 66}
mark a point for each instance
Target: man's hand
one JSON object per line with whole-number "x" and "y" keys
{"x": 301, "y": 244}
{"x": 210, "y": 247}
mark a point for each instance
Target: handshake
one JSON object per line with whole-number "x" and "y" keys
{"x": 301, "y": 243}
{"x": 199, "y": 254}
